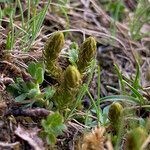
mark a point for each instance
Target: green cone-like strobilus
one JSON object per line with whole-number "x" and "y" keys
{"x": 72, "y": 77}
{"x": 66, "y": 92}
{"x": 86, "y": 54}
{"x": 114, "y": 114}
{"x": 51, "y": 52}
{"x": 136, "y": 138}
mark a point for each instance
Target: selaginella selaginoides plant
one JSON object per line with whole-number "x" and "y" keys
{"x": 51, "y": 52}
{"x": 71, "y": 78}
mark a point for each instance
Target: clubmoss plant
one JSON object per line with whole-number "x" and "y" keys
{"x": 114, "y": 114}
{"x": 136, "y": 138}
{"x": 51, "y": 51}
{"x": 66, "y": 92}
{"x": 86, "y": 54}
{"x": 71, "y": 78}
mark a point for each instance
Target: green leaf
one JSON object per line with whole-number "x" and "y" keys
{"x": 39, "y": 75}
{"x": 32, "y": 69}
{"x": 53, "y": 126}
{"x": 124, "y": 98}
{"x": 40, "y": 65}
{"x": 44, "y": 124}
{"x": 8, "y": 41}
{"x": 105, "y": 115}
{"x": 58, "y": 130}
{"x": 55, "y": 119}
{"x": 21, "y": 97}
{"x": 136, "y": 92}
{"x": 6, "y": 1}
{"x": 116, "y": 8}
{"x": 122, "y": 86}
{"x": 49, "y": 92}
{"x": 38, "y": 22}
{"x": 13, "y": 88}
{"x": 137, "y": 77}
{"x": 51, "y": 139}
{"x": 32, "y": 93}
{"x": 73, "y": 53}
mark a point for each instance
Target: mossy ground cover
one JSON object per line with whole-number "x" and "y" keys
{"x": 75, "y": 74}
